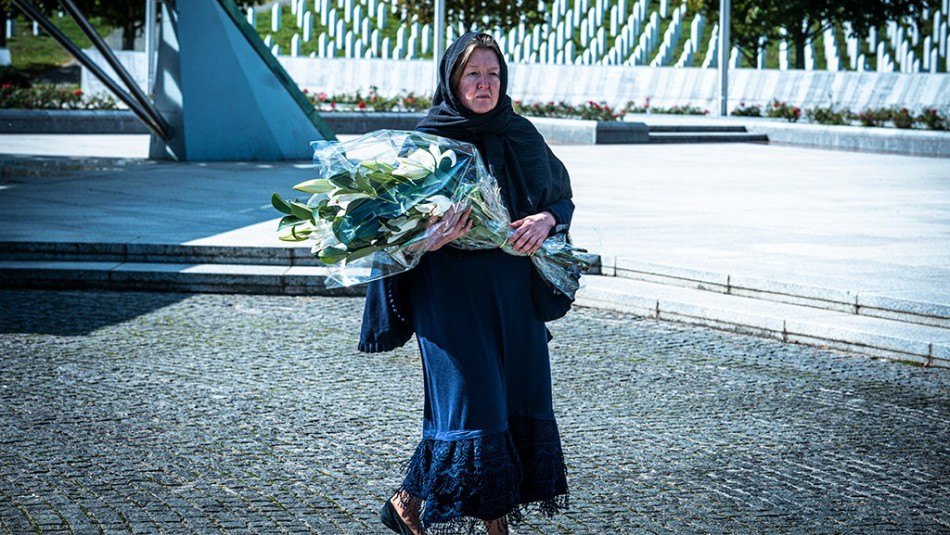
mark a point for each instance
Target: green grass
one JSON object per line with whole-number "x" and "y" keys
{"x": 35, "y": 55}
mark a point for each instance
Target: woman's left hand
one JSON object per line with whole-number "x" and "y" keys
{"x": 531, "y": 231}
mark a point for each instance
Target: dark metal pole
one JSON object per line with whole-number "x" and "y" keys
{"x": 113, "y": 61}
{"x": 161, "y": 129}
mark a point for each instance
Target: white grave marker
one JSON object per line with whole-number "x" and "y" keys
{"x": 307, "y": 26}
{"x": 295, "y": 45}
{"x": 275, "y": 18}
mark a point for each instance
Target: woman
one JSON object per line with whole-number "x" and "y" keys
{"x": 490, "y": 445}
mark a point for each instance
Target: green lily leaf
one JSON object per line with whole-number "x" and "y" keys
{"x": 296, "y": 234}
{"x": 280, "y": 204}
{"x": 343, "y": 180}
{"x": 364, "y": 184}
{"x": 290, "y": 221}
{"x": 317, "y": 186}
{"x": 332, "y": 255}
{"x": 371, "y": 165}
{"x": 301, "y": 210}
{"x": 381, "y": 178}
{"x": 365, "y": 251}
{"x": 328, "y": 212}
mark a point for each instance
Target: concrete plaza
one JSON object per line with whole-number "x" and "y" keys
{"x": 165, "y": 412}
{"x": 845, "y": 249}
{"x": 126, "y": 412}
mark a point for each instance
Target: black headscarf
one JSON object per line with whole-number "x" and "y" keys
{"x": 530, "y": 176}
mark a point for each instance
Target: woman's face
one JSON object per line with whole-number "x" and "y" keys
{"x": 481, "y": 81}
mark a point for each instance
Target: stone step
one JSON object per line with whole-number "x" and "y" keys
{"x": 696, "y": 128}
{"x": 158, "y": 253}
{"x": 851, "y": 301}
{"x": 708, "y": 137}
{"x": 873, "y": 336}
{"x": 877, "y": 337}
{"x": 170, "y": 277}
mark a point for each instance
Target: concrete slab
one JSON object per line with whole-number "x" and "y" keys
{"x": 80, "y": 146}
{"x": 852, "y": 224}
{"x": 893, "y": 339}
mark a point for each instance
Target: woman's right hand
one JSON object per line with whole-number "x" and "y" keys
{"x": 451, "y": 226}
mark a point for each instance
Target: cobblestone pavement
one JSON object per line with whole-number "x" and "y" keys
{"x": 163, "y": 413}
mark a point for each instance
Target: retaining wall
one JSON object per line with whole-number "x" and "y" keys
{"x": 617, "y": 85}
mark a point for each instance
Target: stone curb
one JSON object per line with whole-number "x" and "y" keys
{"x": 70, "y": 122}
{"x": 168, "y": 277}
{"x": 563, "y": 131}
{"x": 791, "y": 323}
{"x": 856, "y": 138}
{"x": 845, "y": 301}
{"x": 156, "y": 253}
{"x": 873, "y": 336}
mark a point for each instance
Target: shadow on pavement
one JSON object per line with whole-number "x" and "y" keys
{"x": 74, "y": 313}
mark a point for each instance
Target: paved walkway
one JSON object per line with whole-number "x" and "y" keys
{"x": 129, "y": 412}
{"x": 858, "y": 244}
{"x": 171, "y": 413}
{"x": 851, "y": 221}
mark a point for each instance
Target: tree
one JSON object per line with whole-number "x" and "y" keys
{"x": 7, "y": 13}
{"x": 5, "y": 7}
{"x": 752, "y": 23}
{"x": 505, "y": 14}
{"x": 129, "y": 15}
{"x": 805, "y": 20}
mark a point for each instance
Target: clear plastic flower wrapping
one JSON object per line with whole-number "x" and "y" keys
{"x": 385, "y": 198}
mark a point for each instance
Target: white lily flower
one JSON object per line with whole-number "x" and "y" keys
{"x": 421, "y": 163}
{"x": 439, "y": 156}
{"x": 437, "y": 206}
{"x": 405, "y": 224}
{"x": 417, "y": 165}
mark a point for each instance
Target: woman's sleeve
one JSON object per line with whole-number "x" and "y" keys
{"x": 386, "y": 324}
{"x": 563, "y": 208}
{"x": 562, "y": 211}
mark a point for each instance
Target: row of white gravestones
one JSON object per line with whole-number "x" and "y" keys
{"x": 353, "y": 17}
{"x": 11, "y": 28}
{"x": 671, "y": 39}
{"x": 830, "y": 42}
{"x": 624, "y": 43}
{"x": 553, "y": 42}
{"x": 712, "y": 49}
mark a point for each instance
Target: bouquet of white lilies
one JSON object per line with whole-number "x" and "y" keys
{"x": 379, "y": 203}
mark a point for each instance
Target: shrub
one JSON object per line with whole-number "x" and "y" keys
{"x": 631, "y": 107}
{"x": 747, "y": 111}
{"x": 589, "y": 111}
{"x": 782, "y": 110}
{"x": 687, "y": 109}
{"x": 10, "y": 76}
{"x": 594, "y": 111}
{"x": 372, "y": 101}
{"x": 872, "y": 117}
{"x": 932, "y": 119}
{"x": 902, "y": 118}
{"x": 828, "y": 115}
{"x": 51, "y": 97}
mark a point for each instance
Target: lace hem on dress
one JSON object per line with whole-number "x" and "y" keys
{"x": 504, "y": 475}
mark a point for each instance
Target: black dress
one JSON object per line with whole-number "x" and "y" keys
{"x": 490, "y": 445}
